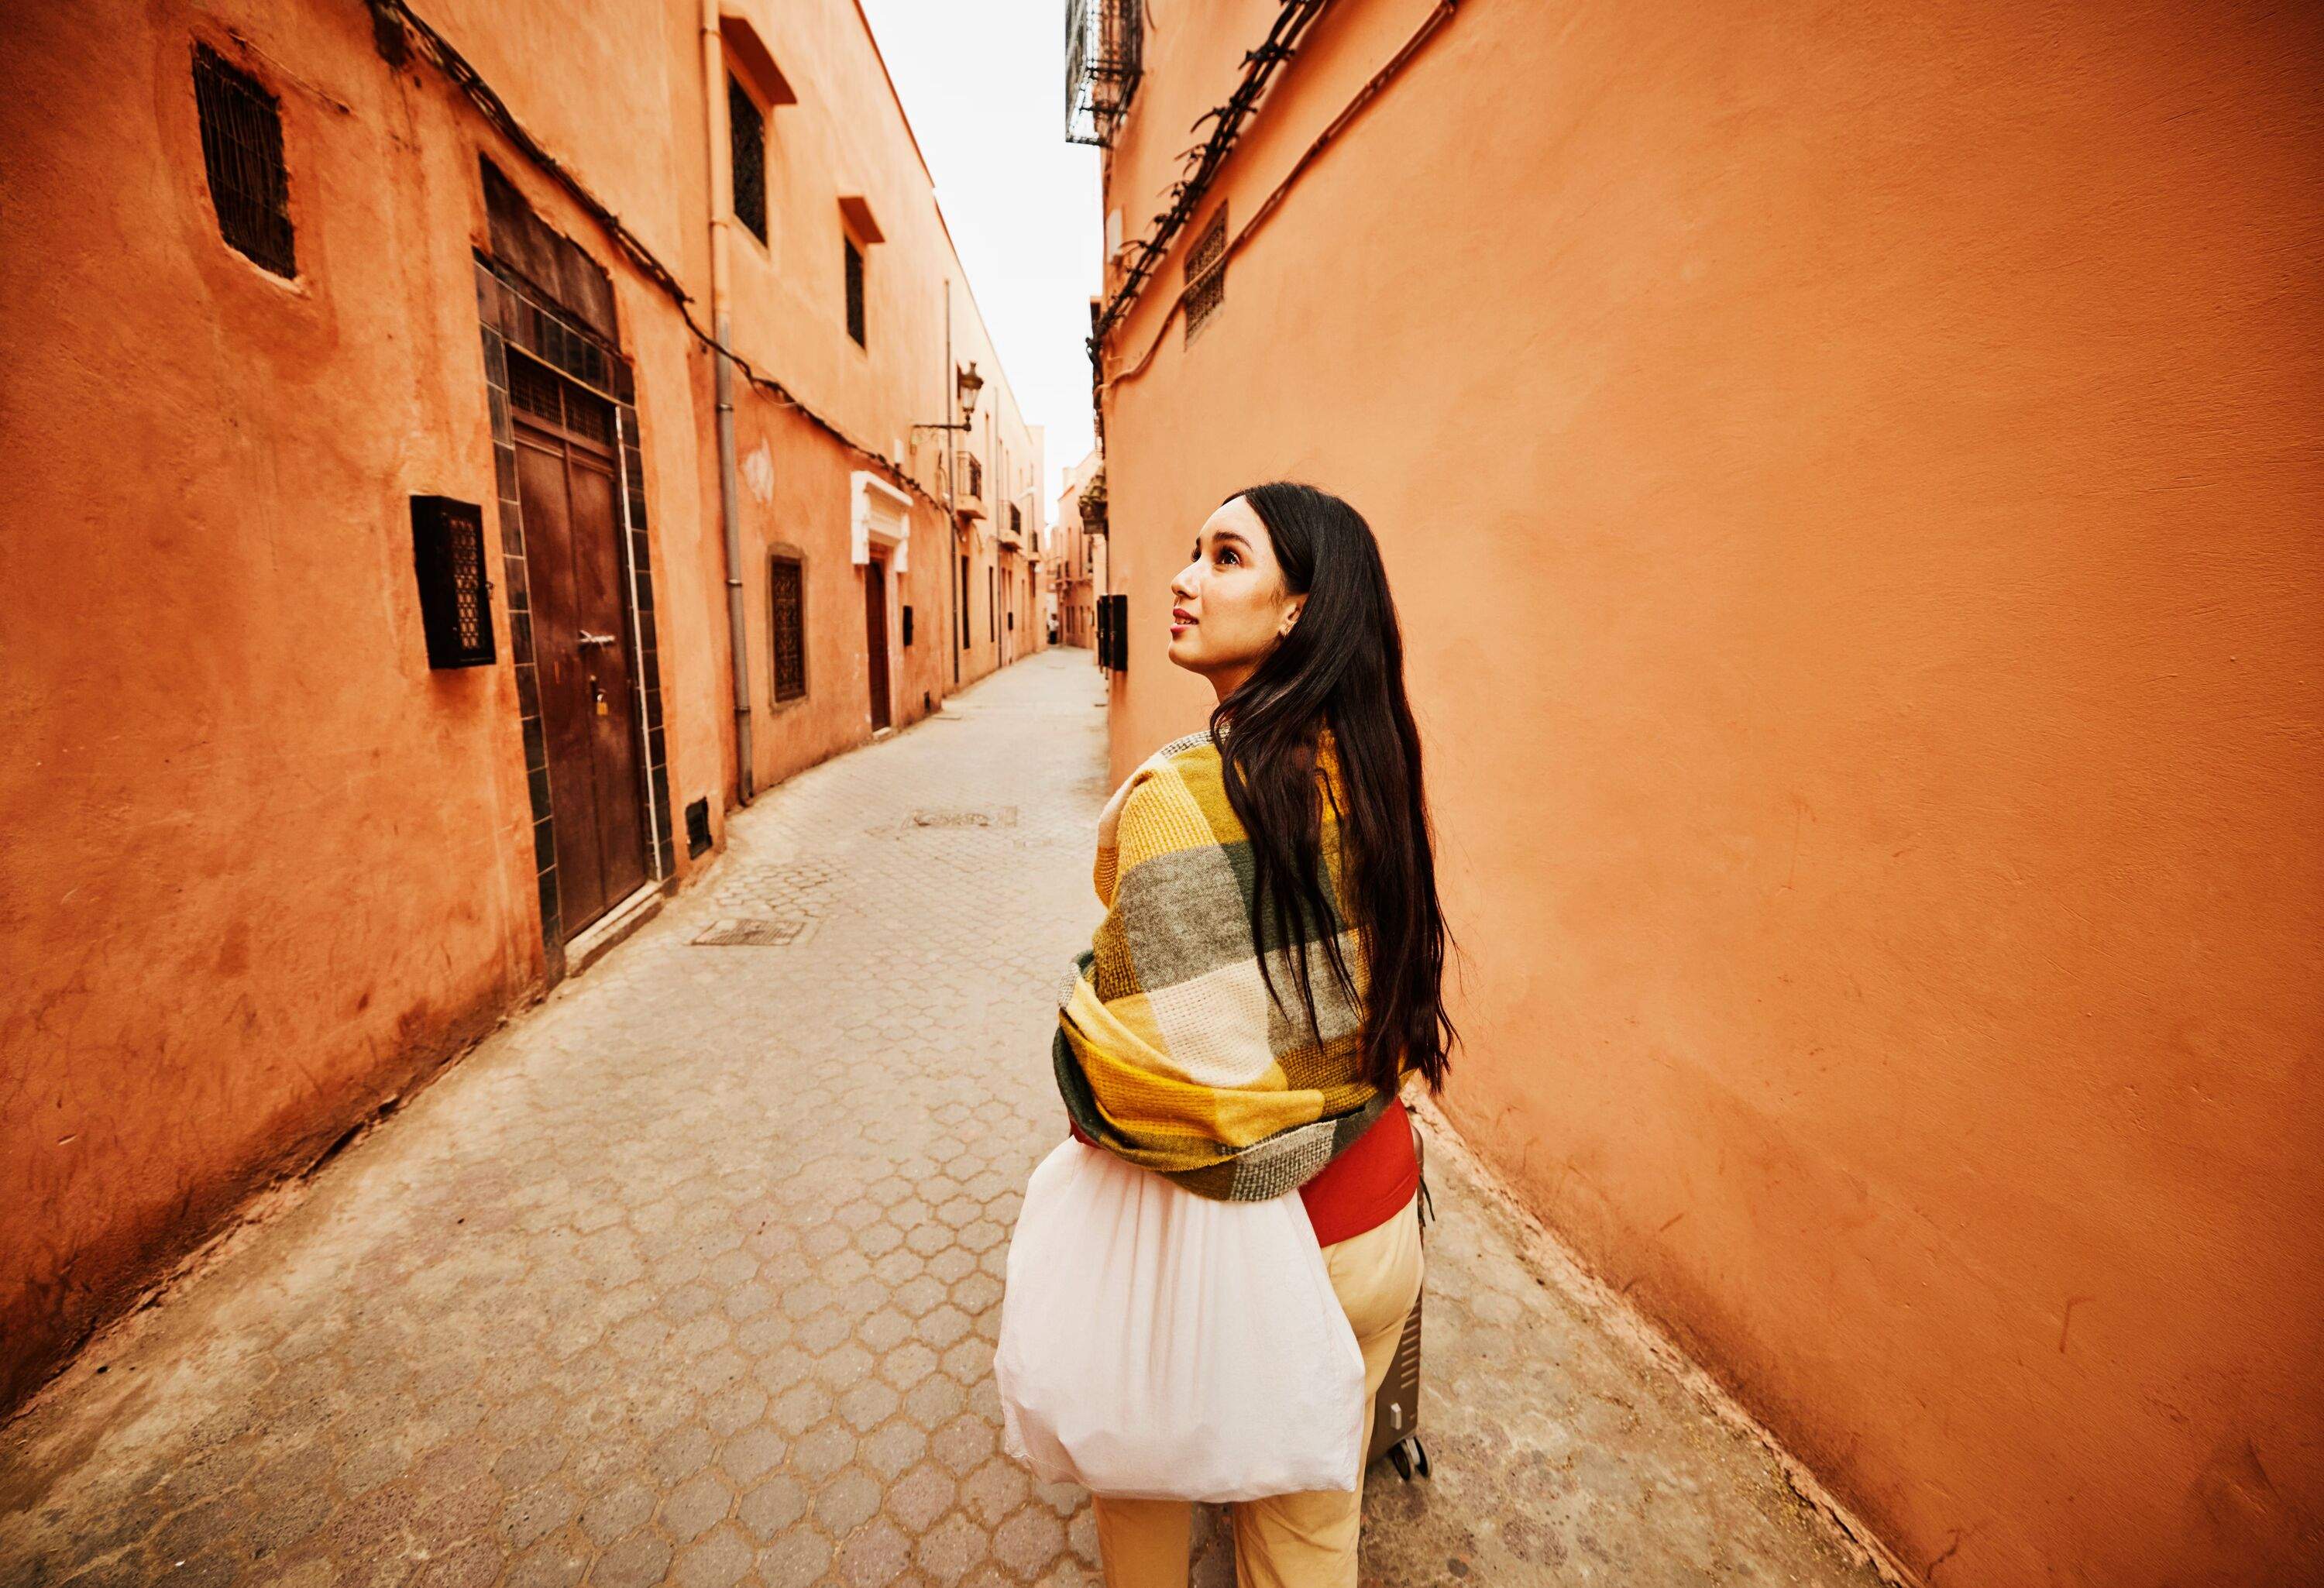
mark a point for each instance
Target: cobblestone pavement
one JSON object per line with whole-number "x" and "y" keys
{"x": 693, "y": 1273}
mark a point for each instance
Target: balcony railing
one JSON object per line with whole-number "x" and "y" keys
{"x": 968, "y": 484}
{"x": 1103, "y": 58}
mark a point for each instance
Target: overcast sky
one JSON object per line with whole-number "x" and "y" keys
{"x": 985, "y": 86}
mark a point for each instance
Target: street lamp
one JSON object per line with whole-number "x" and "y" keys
{"x": 967, "y": 382}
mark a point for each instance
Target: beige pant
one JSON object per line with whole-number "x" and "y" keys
{"x": 1286, "y": 1540}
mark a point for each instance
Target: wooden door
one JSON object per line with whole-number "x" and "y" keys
{"x": 581, "y": 640}
{"x": 875, "y": 637}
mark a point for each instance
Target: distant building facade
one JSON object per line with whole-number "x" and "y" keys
{"x": 379, "y": 558}
{"x": 1080, "y": 554}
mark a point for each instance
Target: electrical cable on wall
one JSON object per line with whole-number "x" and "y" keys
{"x": 395, "y": 25}
{"x": 1268, "y": 206}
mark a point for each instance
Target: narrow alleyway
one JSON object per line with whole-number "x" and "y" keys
{"x": 692, "y": 1274}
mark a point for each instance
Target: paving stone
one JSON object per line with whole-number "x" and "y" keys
{"x": 637, "y": 1561}
{"x": 692, "y": 1273}
{"x": 716, "y": 1560}
{"x": 795, "y": 1560}
{"x": 846, "y": 1501}
{"x": 773, "y": 1506}
{"x": 617, "y": 1513}
{"x": 696, "y": 1506}
{"x": 876, "y": 1555}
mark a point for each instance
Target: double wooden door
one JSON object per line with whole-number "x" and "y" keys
{"x": 569, "y": 496}
{"x": 875, "y": 639}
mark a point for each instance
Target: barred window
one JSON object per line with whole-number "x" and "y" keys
{"x": 542, "y": 394}
{"x": 1206, "y": 271}
{"x": 241, "y": 150}
{"x": 789, "y": 628}
{"x": 746, "y": 129}
{"x": 854, "y": 291}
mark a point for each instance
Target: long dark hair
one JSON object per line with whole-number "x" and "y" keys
{"x": 1341, "y": 664}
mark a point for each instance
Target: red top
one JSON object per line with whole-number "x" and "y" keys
{"x": 1363, "y": 1188}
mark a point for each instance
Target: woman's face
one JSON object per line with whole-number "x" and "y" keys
{"x": 1229, "y": 605}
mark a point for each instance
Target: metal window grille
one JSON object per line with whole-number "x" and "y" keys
{"x": 447, "y": 553}
{"x": 746, "y": 129}
{"x": 536, "y": 389}
{"x": 789, "y": 628}
{"x": 559, "y": 404}
{"x": 1105, "y": 52}
{"x": 971, "y": 476}
{"x": 1117, "y": 632}
{"x": 241, "y": 150}
{"x": 854, "y": 291}
{"x": 1206, "y": 271}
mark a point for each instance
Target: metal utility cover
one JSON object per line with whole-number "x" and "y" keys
{"x": 1003, "y": 817}
{"x": 753, "y": 932}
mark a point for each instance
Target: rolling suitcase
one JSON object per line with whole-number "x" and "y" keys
{"x": 1395, "y": 1410}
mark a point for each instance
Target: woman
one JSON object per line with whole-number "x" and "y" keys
{"x": 1295, "y": 821}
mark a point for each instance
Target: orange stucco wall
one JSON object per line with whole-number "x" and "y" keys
{"x": 1849, "y": 480}
{"x": 262, "y": 868}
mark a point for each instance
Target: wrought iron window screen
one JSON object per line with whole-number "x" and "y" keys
{"x": 1206, "y": 271}
{"x": 790, "y": 628}
{"x": 447, "y": 553}
{"x": 541, "y": 393}
{"x": 242, "y": 151}
{"x": 746, "y": 127}
{"x": 1105, "y": 54}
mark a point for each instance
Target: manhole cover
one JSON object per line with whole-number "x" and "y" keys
{"x": 746, "y": 932}
{"x": 1003, "y": 817}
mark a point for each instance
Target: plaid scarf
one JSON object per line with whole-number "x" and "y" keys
{"x": 1169, "y": 1052}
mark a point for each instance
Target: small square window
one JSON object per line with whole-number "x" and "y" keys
{"x": 1206, "y": 273}
{"x": 746, "y": 129}
{"x": 242, "y": 151}
{"x": 854, "y": 291}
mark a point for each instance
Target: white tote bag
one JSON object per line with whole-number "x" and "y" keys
{"x": 1157, "y": 1344}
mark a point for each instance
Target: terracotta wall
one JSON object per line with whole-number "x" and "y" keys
{"x": 1848, "y": 479}
{"x": 262, "y": 868}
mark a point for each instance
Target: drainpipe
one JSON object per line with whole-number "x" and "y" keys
{"x": 952, "y": 500}
{"x": 730, "y": 508}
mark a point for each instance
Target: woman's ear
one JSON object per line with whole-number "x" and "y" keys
{"x": 1291, "y": 617}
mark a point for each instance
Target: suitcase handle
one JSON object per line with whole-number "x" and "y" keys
{"x": 1424, "y": 1205}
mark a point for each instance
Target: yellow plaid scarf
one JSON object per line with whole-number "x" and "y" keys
{"x": 1169, "y": 1051}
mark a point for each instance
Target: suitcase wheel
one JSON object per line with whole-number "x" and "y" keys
{"x": 1408, "y": 1456}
